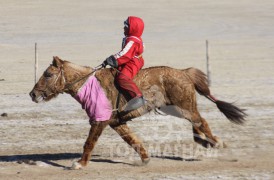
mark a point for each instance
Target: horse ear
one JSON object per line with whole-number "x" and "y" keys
{"x": 57, "y": 62}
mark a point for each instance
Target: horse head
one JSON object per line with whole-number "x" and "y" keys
{"x": 51, "y": 83}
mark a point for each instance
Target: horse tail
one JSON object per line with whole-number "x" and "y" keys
{"x": 233, "y": 113}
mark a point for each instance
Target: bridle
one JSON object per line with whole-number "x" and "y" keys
{"x": 53, "y": 87}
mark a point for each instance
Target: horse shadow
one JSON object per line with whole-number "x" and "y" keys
{"x": 49, "y": 158}
{"x": 177, "y": 158}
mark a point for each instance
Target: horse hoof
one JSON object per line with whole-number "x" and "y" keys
{"x": 145, "y": 161}
{"x": 76, "y": 166}
{"x": 220, "y": 144}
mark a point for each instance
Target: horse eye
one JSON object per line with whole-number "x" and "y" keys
{"x": 47, "y": 74}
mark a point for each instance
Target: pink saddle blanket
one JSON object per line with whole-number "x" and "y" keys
{"x": 94, "y": 100}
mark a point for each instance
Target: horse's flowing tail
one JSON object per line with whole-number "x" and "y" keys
{"x": 232, "y": 112}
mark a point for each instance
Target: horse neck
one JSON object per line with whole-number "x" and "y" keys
{"x": 75, "y": 76}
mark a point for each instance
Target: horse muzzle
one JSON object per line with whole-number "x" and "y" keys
{"x": 35, "y": 97}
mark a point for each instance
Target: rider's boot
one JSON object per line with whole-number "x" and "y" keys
{"x": 134, "y": 104}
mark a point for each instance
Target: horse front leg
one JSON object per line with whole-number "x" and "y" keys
{"x": 128, "y": 136}
{"x": 95, "y": 131}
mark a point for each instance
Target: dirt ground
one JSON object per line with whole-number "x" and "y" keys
{"x": 41, "y": 141}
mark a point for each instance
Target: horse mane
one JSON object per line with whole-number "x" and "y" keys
{"x": 167, "y": 67}
{"x": 156, "y": 67}
{"x": 78, "y": 67}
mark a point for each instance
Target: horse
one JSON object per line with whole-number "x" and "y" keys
{"x": 164, "y": 88}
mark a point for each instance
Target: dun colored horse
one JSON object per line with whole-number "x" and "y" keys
{"x": 163, "y": 88}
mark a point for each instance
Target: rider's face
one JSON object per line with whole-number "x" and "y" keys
{"x": 126, "y": 30}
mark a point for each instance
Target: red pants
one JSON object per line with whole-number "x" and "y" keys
{"x": 124, "y": 80}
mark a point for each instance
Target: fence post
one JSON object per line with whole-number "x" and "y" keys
{"x": 208, "y": 65}
{"x": 36, "y": 64}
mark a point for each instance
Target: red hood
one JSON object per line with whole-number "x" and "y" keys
{"x": 136, "y": 26}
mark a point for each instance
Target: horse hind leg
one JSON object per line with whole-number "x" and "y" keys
{"x": 201, "y": 131}
{"x": 204, "y": 136}
{"x": 128, "y": 136}
{"x": 186, "y": 107}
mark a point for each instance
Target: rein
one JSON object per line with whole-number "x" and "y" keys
{"x": 68, "y": 86}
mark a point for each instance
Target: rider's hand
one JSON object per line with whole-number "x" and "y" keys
{"x": 104, "y": 64}
{"x": 110, "y": 61}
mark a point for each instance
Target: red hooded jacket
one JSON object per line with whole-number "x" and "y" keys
{"x": 132, "y": 46}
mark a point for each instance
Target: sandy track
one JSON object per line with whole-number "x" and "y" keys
{"x": 37, "y": 142}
